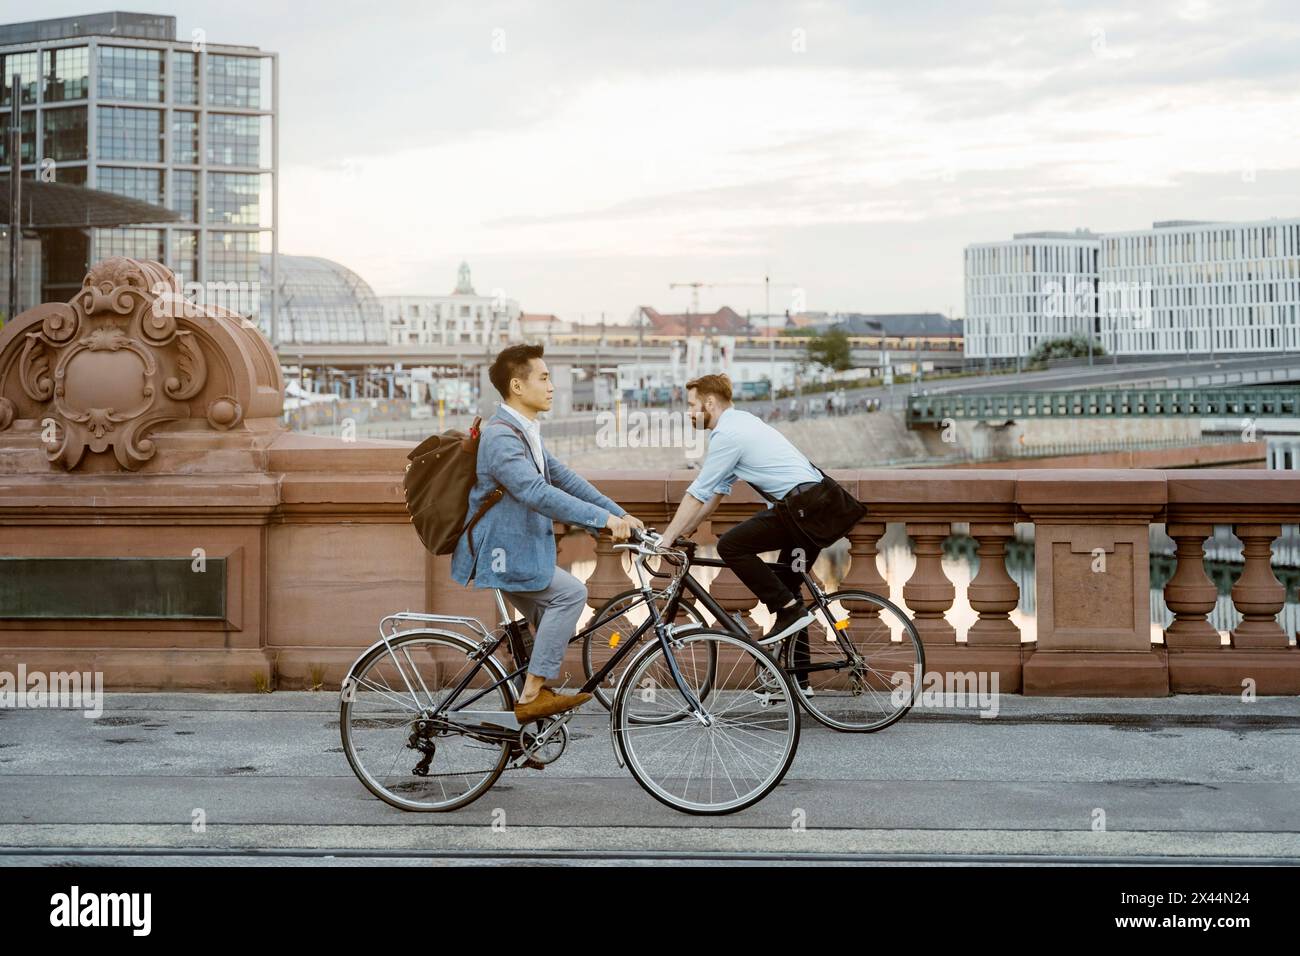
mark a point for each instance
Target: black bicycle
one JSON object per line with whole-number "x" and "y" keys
{"x": 427, "y": 719}
{"x": 858, "y": 667}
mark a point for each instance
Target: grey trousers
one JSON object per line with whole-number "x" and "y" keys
{"x": 553, "y": 612}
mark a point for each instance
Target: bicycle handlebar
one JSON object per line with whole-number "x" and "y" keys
{"x": 649, "y": 543}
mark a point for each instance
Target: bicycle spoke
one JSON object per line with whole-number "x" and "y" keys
{"x": 850, "y": 669}
{"x": 445, "y": 768}
{"x": 729, "y": 757}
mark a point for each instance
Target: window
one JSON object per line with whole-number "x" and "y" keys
{"x": 72, "y": 175}
{"x": 232, "y": 139}
{"x": 233, "y": 198}
{"x": 132, "y": 243}
{"x": 28, "y": 125}
{"x": 24, "y": 64}
{"x": 67, "y": 74}
{"x": 142, "y": 184}
{"x": 185, "y": 137}
{"x": 185, "y": 77}
{"x": 132, "y": 134}
{"x": 233, "y": 271}
{"x": 185, "y": 194}
{"x": 130, "y": 73}
{"x": 234, "y": 81}
{"x": 185, "y": 254}
{"x": 233, "y": 256}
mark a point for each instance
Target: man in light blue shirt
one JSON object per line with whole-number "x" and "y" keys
{"x": 744, "y": 447}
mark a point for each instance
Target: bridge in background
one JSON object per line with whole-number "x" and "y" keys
{"x": 357, "y": 355}
{"x": 1104, "y": 403}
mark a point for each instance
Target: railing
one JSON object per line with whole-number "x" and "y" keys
{"x": 1094, "y": 633}
{"x": 1105, "y": 403}
{"x": 317, "y": 547}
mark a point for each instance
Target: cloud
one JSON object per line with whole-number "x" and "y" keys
{"x": 654, "y": 136}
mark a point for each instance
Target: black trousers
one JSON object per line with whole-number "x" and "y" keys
{"x": 740, "y": 548}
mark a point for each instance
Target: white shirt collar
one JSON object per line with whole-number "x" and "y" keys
{"x": 531, "y": 425}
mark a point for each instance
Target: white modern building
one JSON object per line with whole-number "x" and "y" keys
{"x": 1180, "y": 287}
{"x": 1201, "y": 287}
{"x": 462, "y": 318}
{"x": 1037, "y": 286}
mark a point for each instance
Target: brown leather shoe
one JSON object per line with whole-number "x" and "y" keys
{"x": 547, "y": 703}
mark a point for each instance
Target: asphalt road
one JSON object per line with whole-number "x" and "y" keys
{"x": 1185, "y": 779}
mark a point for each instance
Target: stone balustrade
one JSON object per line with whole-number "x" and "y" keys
{"x": 145, "y": 441}
{"x": 319, "y": 548}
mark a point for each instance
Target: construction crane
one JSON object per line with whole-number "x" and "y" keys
{"x": 695, "y": 288}
{"x": 767, "y": 284}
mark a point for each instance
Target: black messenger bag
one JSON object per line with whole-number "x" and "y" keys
{"x": 822, "y": 514}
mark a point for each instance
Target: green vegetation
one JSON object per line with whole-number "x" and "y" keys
{"x": 1074, "y": 346}
{"x": 830, "y": 350}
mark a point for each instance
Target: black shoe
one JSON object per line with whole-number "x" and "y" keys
{"x": 788, "y": 620}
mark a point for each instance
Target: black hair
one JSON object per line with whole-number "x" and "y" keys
{"x": 512, "y": 362}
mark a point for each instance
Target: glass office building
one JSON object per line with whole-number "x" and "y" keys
{"x": 118, "y": 102}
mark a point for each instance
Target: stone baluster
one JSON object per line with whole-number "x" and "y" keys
{"x": 993, "y": 592}
{"x": 863, "y": 574}
{"x": 928, "y": 592}
{"x": 1258, "y": 595}
{"x": 1190, "y": 593}
{"x": 608, "y": 577}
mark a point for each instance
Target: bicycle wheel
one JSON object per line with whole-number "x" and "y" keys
{"x": 864, "y": 676}
{"x": 724, "y": 760}
{"x": 616, "y": 621}
{"x": 384, "y": 720}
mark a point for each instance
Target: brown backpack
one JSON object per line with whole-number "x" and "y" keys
{"x": 441, "y": 473}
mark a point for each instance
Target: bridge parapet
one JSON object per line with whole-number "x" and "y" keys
{"x": 167, "y": 531}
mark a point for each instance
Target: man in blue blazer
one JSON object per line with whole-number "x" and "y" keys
{"x": 512, "y": 547}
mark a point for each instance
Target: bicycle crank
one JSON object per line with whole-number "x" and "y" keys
{"x": 537, "y": 749}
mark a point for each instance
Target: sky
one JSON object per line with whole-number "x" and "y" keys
{"x": 582, "y": 156}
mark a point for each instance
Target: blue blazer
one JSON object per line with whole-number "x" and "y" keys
{"x": 514, "y": 542}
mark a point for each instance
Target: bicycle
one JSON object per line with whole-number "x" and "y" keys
{"x": 858, "y": 678}
{"x": 427, "y": 721}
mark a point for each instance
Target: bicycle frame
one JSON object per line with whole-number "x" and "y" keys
{"x": 488, "y": 646}
{"x": 697, "y": 590}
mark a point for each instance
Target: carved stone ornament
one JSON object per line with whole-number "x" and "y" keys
{"x": 125, "y": 355}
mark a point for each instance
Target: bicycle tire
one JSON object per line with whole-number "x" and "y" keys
{"x": 906, "y": 654}
{"x": 457, "y": 645}
{"x": 723, "y": 699}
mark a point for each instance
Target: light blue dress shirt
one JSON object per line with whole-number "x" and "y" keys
{"x": 746, "y": 448}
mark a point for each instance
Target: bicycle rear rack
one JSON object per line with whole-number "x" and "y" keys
{"x": 390, "y": 627}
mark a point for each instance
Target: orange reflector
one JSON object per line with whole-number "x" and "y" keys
{"x": 841, "y": 625}
{"x": 614, "y": 639}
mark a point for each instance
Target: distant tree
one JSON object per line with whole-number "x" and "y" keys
{"x": 830, "y": 350}
{"x": 1066, "y": 347}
